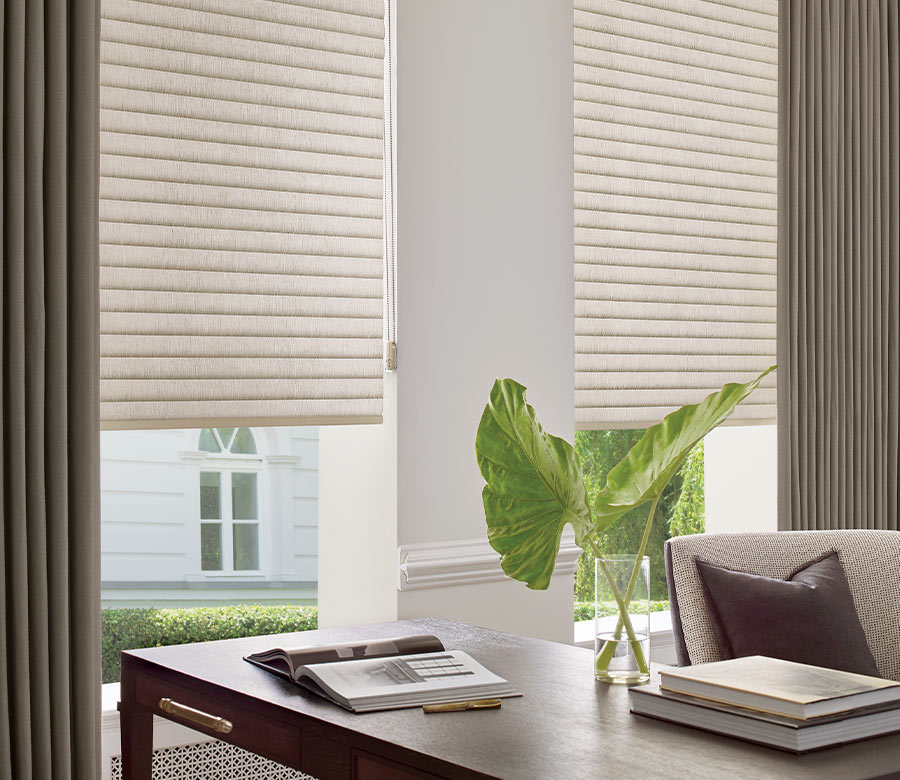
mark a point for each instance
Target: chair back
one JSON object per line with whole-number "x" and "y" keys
{"x": 870, "y": 559}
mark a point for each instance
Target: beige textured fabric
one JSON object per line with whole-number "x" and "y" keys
{"x": 241, "y": 211}
{"x": 675, "y": 224}
{"x": 839, "y": 265}
{"x": 870, "y": 559}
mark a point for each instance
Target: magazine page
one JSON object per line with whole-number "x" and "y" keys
{"x": 288, "y": 662}
{"x": 408, "y": 679}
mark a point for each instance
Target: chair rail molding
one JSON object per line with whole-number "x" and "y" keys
{"x": 466, "y": 561}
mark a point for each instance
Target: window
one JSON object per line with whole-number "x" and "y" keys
{"x": 675, "y": 206}
{"x": 209, "y": 517}
{"x": 681, "y": 510}
{"x": 675, "y": 237}
{"x": 241, "y": 212}
{"x": 242, "y": 284}
{"x": 220, "y": 518}
{"x": 229, "y": 502}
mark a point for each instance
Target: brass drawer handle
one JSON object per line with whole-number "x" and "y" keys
{"x": 212, "y": 722}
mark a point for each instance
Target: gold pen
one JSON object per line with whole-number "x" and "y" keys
{"x": 460, "y": 706}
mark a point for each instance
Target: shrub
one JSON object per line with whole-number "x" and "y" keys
{"x": 127, "y": 629}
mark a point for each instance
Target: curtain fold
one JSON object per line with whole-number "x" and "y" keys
{"x": 49, "y": 461}
{"x": 838, "y": 264}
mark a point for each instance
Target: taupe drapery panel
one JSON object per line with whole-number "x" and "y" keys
{"x": 241, "y": 212}
{"x": 49, "y": 461}
{"x": 838, "y": 264}
{"x": 675, "y": 206}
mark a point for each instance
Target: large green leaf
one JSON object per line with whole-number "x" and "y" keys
{"x": 643, "y": 474}
{"x": 534, "y": 486}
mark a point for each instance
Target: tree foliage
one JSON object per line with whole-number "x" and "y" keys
{"x": 680, "y": 509}
{"x": 689, "y": 511}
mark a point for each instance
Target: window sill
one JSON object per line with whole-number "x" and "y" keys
{"x": 662, "y": 640}
{"x": 226, "y": 575}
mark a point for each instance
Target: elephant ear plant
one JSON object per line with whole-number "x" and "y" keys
{"x": 534, "y": 486}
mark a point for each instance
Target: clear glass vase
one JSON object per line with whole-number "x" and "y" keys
{"x": 622, "y": 639}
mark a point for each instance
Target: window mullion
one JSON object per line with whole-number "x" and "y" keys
{"x": 227, "y": 524}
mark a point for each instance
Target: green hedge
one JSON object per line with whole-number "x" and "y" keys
{"x": 584, "y": 610}
{"x": 126, "y": 629}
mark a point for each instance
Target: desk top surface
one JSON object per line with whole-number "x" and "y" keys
{"x": 565, "y": 726}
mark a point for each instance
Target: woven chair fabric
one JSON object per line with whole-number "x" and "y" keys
{"x": 871, "y": 562}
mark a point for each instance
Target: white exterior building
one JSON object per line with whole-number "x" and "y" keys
{"x": 218, "y": 516}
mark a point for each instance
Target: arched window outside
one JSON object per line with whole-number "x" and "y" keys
{"x": 229, "y": 501}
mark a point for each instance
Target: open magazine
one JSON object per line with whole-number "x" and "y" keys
{"x": 386, "y": 674}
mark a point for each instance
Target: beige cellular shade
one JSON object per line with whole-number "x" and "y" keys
{"x": 241, "y": 212}
{"x": 675, "y": 198}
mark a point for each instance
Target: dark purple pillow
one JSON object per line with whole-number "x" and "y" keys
{"x": 808, "y": 618}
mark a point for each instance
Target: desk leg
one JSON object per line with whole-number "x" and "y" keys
{"x": 136, "y": 727}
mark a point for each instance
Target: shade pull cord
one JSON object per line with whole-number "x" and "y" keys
{"x": 390, "y": 245}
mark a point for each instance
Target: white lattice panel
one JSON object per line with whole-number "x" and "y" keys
{"x": 212, "y": 761}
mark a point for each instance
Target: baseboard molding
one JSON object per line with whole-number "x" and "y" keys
{"x": 464, "y": 562}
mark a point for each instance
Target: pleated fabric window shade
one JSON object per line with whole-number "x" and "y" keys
{"x": 675, "y": 166}
{"x": 241, "y": 212}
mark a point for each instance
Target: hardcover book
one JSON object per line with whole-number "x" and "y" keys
{"x": 780, "y": 687}
{"x": 797, "y": 736}
{"x": 386, "y": 673}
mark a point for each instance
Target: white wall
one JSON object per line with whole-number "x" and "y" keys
{"x": 358, "y": 519}
{"x": 304, "y": 511}
{"x": 740, "y": 464}
{"x": 485, "y": 289}
{"x": 144, "y": 498}
{"x": 485, "y": 275}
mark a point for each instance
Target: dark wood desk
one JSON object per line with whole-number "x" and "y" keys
{"x": 565, "y": 726}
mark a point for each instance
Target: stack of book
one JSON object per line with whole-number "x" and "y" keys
{"x": 783, "y": 704}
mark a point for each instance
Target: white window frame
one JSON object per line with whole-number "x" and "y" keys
{"x": 226, "y": 464}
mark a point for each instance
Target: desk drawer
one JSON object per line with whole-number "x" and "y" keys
{"x": 265, "y": 736}
{"x": 369, "y": 767}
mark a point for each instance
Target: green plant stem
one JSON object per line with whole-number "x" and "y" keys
{"x": 635, "y": 573}
{"x": 624, "y": 620}
{"x": 605, "y": 656}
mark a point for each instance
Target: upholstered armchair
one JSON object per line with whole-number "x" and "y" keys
{"x": 871, "y": 563}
